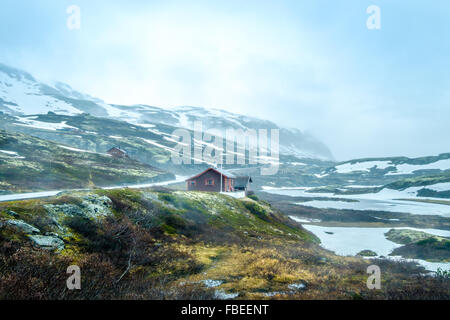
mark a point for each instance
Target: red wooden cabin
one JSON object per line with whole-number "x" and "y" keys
{"x": 209, "y": 180}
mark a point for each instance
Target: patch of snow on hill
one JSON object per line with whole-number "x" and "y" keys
{"x": 12, "y": 154}
{"x": 145, "y": 125}
{"x": 158, "y": 145}
{"x": 125, "y": 115}
{"x": 362, "y": 166}
{"x": 23, "y": 95}
{"x": 80, "y": 150}
{"x": 410, "y": 168}
{"x": 320, "y": 175}
{"x": 444, "y": 186}
{"x": 29, "y": 122}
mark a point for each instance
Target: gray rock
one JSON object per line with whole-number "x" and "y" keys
{"x": 222, "y": 295}
{"x": 274, "y": 293}
{"x": 53, "y": 234}
{"x": 297, "y": 286}
{"x": 211, "y": 283}
{"x": 323, "y": 260}
{"x": 12, "y": 213}
{"x": 93, "y": 207}
{"x": 47, "y": 242}
{"x": 65, "y": 209}
{"x": 21, "y": 225}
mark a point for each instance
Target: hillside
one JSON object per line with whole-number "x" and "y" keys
{"x": 420, "y": 245}
{"x": 21, "y": 94}
{"x": 31, "y": 164}
{"x": 151, "y": 144}
{"x": 381, "y": 171}
{"x": 161, "y": 244}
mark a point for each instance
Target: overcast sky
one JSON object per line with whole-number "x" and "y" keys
{"x": 312, "y": 65}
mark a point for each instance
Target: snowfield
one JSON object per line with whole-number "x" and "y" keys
{"x": 12, "y": 154}
{"x": 445, "y": 186}
{"x": 84, "y": 151}
{"x": 29, "y": 122}
{"x": 23, "y": 95}
{"x": 156, "y": 144}
{"x": 397, "y": 169}
{"x": 410, "y": 168}
{"x": 362, "y": 166}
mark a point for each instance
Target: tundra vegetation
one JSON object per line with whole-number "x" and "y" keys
{"x": 420, "y": 245}
{"x": 30, "y": 164}
{"x": 158, "y": 243}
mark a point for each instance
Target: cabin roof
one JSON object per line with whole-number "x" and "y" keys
{"x": 219, "y": 171}
{"x": 116, "y": 148}
{"x": 242, "y": 181}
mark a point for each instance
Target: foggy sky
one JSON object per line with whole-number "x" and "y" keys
{"x": 312, "y": 65}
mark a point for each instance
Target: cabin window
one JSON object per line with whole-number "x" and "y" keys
{"x": 192, "y": 183}
{"x": 209, "y": 182}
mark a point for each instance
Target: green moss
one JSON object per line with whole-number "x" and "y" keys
{"x": 168, "y": 229}
{"x": 256, "y": 209}
{"x": 367, "y": 253}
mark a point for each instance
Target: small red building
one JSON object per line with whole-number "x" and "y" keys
{"x": 209, "y": 180}
{"x": 117, "y": 153}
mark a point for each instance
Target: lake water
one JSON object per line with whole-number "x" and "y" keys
{"x": 381, "y": 201}
{"x": 351, "y": 240}
{"x": 419, "y": 208}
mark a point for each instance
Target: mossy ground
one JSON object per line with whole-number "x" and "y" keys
{"x": 163, "y": 244}
{"x": 43, "y": 165}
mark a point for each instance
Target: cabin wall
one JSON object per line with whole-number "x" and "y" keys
{"x": 117, "y": 153}
{"x": 200, "y": 184}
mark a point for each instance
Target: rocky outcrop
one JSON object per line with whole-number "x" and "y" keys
{"x": 93, "y": 207}
{"x": 406, "y": 236}
{"x": 12, "y": 213}
{"x": 367, "y": 253}
{"x": 23, "y": 226}
{"x": 96, "y": 206}
{"x": 47, "y": 242}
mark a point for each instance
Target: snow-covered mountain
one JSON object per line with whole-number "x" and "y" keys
{"x": 22, "y": 94}
{"x": 397, "y": 172}
{"x": 395, "y": 166}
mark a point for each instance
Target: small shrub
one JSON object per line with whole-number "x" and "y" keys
{"x": 443, "y": 274}
{"x": 256, "y": 210}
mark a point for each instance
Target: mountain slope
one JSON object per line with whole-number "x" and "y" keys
{"x": 382, "y": 171}
{"x": 159, "y": 244}
{"x": 32, "y": 164}
{"x": 151, "y": 144}
{"x": 21, "y": 94}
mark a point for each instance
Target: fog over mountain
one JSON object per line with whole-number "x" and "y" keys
{"x": 22, "y": 94}
{"x": 314, "y": 66}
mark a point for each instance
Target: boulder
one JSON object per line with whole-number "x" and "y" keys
{"x": 23, "y": 226}
{"x": 53, "y": 234}
{"x": 12, "y": 213}
{"x": 47, "y": 242}
{"x": 93, "y": 207}
{"x": 367, "y": 253}
{"x": 64, "y": 209}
